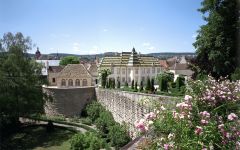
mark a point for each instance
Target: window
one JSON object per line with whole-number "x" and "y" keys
{"x": 84, "y": 82}
{"x": 123, "y": 70}
{"x": 123, "y": 79}
{"x": 118, "y": 70}
{"x": 129, "y": 70}
{"x": 70, "y": 82}
{"x": 153, "y": 70}
{"x": 136, "y": 71}
{"x": 158, "y": 70}
{"x": 148, "y": 70}
{"x": 63, "y": 83}
{"x": 77, "y": 82}
{"x": 53, "y": 80}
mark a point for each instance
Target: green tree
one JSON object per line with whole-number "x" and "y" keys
{"x": 126, "y": 85}
{"x": 118, "y": 84}
{"x": 69, "y": 60}
{"x": 113, "y": 83}
{"x": 236, "y": 75}
{"x": 152, "y": 85}
{"x": 217, "y": 42}
{"x": 148, "y": 86}
{"x": 132, "y": 85}
{"x": 180, "y": 81}
{"x": 164, "y": 80}
{"x": 141, "y": 86}
{"x": 135, "y": 87}
{"x": 20, "y": 80}
{"x": 103, "y": 77}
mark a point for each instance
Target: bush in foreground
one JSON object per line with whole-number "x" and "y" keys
{"x": 207, "y": 118}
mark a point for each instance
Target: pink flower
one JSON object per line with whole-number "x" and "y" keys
{"x": 150, "y": 116}
{"x": 198, "y": 130}
{"x": 204, "y": 122}
{"x": 188, "y": 97}
{"x": 166, "y": 146}
{"x": 232, "y": 116}
{"x": 205, "y": 114}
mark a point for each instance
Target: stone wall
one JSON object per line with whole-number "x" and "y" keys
{"x": 129, "y": 106}
{"x": 68, "y": 101}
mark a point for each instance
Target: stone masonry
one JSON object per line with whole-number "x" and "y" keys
{"x": 68, "y": 101}
{"x": 128, "y": 107}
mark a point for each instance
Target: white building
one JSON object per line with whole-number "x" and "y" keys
{"x": 131, "y": 66}
{"x": 46, "y": 64}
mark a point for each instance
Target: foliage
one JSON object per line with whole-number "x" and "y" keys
{"x": 69, "y": 60}
{"x": 104, "y": 121}
{"x": 164, "y": 80}
{"x": 89, "y": 140}
{"x": 148, "y": 86}
{"x": 132, "y": 85}
{"x": 126, "y": 85}
{"x": 118, "y": 84}
{"x": 152, "y": 85}
{"x": 141, "y": 86}
{"x": 217, "y": 42}
{"x": 93, "y": 110}
{"x": 207, "y": 118}
{"x": 118, "y": 135}
{"x": 113, "y": 83}
{"x": 103, "y": 76}
{"x": 20, "y": 81}
{"x": 180, "y": 81}
{"x": 135, "y": 86}
{"x": 236, "y": 75}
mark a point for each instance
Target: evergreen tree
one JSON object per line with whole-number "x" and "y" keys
{"x": 118, "y": 84}
{"x": 103, "y": 76}
{"x": 132, "y": 86}
{"x": 180, "y": 82}
{"x": 152, "y": 85}
{"x": 113, "y": 83}
{"x": 148, "y": 86}
{"x": 135, "y": 87}
{"x": 141, "y": 86}
{"x": 217, "y": 41}
{"x": 126, "y": 85}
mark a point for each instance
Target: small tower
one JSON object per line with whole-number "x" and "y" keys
{"x": 37, "y": 54}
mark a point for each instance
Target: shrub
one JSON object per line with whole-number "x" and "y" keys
{"x": 86, "y": 121}
{"x": 118, "y": 135}
{"x": 141, "y": 86}
{"x": 180, "y": 82}
{"x": 135, "y": 87}
{"x": 104, "y": 121}
{"x": 118, "y": 84}
{"x": 148, "y": 86}
{"x": 236, "y": 75}
{"x": 207, "y": 118}
{"x": 88, "y": 140}
{"x": 93, "y": 110}
{"x": 132, "y": 85}
{"x": 152, "y": 85}
{"x": 126, "y": 85}
{"x": 113, "y": 83}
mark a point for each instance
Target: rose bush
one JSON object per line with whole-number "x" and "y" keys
{"x": 207, "y": 118}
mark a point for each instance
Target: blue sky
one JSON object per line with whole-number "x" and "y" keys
{"x": 96, "y": 26}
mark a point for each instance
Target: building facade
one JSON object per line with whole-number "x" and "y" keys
{"x": 130, "y": 66}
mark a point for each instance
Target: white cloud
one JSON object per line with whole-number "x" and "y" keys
{"x": 105, "y": 30}
{"x": 146, "y": 44}
{"x": 151, "y": 48}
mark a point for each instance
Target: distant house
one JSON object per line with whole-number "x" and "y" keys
{"x": 46, "y": 64}
{"x": 164, "y": 64}
{"x": 74, "y": 75}
{"x": 53, "y": 72}
{"x": 181, "y": 69}
{"x": 130, "y": 66}
{"x": 93, "y": 70}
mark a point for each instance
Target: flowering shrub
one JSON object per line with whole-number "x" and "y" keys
{"x": 207, "y": 118}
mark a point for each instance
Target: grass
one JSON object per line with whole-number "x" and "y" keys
{"x": 36, "y": 138}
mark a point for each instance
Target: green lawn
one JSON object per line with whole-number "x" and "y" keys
{"x": 37, "y": 138}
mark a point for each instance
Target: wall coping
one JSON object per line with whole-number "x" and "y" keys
{"x": 56, "y": 87}
{"x": 138, "y": 93}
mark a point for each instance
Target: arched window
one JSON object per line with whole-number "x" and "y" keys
{"x": 70, "y": 82}
{"x": 84, "y": 82}
{"x": 63, "y": 82}
{"x": 77, "y": 82}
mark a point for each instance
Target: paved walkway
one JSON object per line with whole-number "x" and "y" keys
{"x": 31, "y": 121}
